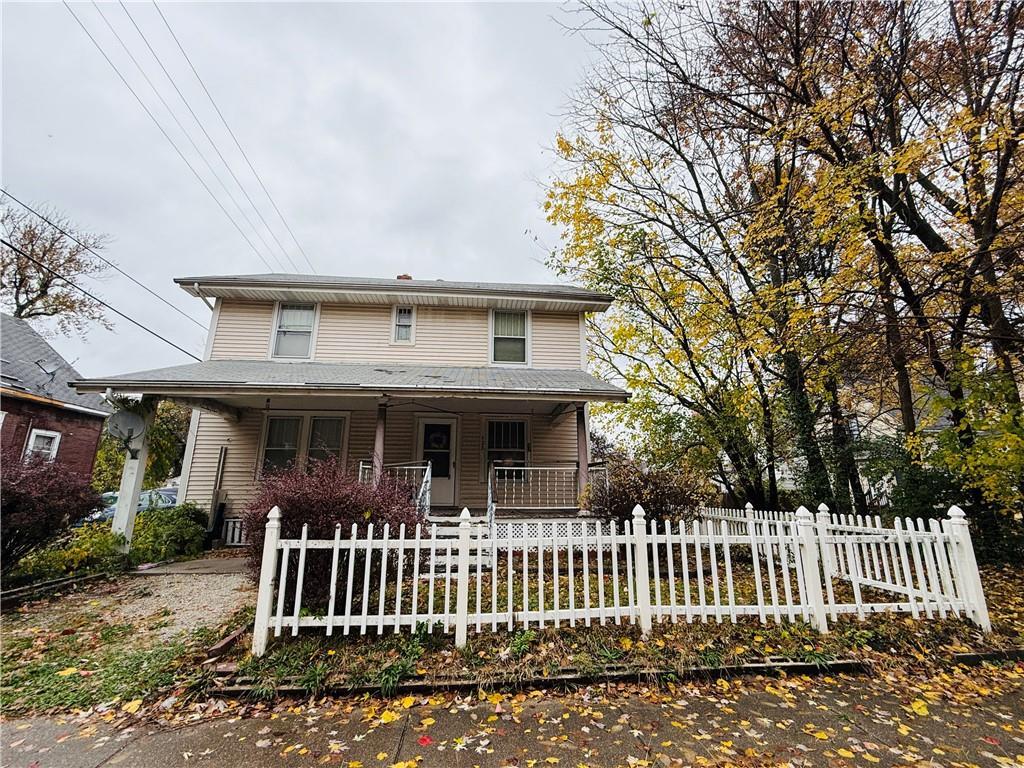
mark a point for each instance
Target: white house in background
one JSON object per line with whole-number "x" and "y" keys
{"x": 475, "y": 393}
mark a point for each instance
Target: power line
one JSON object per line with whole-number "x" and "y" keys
{"x": 235, "y": 138}
{"x": 188, "y": 135}
{"x": 98, "y": 300}
{"x": 168, "y": 137}
{"x": 106, "y": 261}
{"x": 209, "y": 138}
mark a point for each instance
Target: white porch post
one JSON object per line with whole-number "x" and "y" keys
{"x": 131, "y": 477}
{"x": 582, "y": 450}
{"x": 378, "y": 441}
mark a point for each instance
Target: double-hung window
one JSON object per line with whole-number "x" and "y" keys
{"x": 508, "y": 344}
{"x": 43, "y": 443}
{"x": 293, "y": 336}
{"x": 506, "y": 443}
{"x": 292, "y": 440}
{"x": 403, "y": 326}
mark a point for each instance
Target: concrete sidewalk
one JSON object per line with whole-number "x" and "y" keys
{"x": 203, "y": 566}
{"x": 797, "y": 721}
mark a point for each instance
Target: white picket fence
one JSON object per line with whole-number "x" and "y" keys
{"x": 722, "y": 566}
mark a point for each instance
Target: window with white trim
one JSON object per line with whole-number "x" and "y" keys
{"x": 299, "y": 439}
{"x": 44, "y": 443}
{"x": 508, "y": 344}
{"x": 403, "y": 330}
{"x": 293, "y": 336}
{"x": 506, "y": 443}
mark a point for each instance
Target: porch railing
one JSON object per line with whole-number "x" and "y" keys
{"x": 415, "y": 474}
{"x": 537, "y": 488}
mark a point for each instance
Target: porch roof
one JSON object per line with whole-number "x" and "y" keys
{"x": 237, "y": 377}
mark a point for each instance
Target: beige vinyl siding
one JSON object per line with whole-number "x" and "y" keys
{"x": 243, "y": 330}
{"x": 556, "y": 340}
{"x": 362, "y": 333}
{"x": 356, "y": 333}
{"x": 242, "y": 442}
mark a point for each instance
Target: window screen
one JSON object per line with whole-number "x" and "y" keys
{"x": 509, "y": 337}
{"x": 294, "y": 330}
{"x": 282, "y": 446}
{"x": 403, "y": 324}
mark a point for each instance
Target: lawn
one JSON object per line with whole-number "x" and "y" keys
{"x": 118, "y": 642}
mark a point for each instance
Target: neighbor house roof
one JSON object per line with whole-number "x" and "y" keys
{"x": 214, "y": 377}
{"x": 32, "y": 370}
{"x": 388, "y": 291}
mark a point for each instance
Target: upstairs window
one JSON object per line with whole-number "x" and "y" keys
{"x": 403, "y": 331}
{"x": 44, "y": 443}
{"x": 294, "y": 334}
{"x": 509, "y": 342}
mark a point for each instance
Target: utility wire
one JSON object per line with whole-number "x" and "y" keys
{"x": 209, "y": 138}
{"x": 188, "y": 135}
{"x": 168, "y": 137}
{"x": 235, "y": 138}
{"x": 98, "y": 300}
{"x": 106, "y": 261}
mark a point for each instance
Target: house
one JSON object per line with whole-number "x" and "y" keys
{"x": 474, "y": 393}
{"x": 39, "y": 414}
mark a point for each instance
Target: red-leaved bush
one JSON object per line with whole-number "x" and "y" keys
{"x": 322, "y": 496}
{"x": 38, "y": 501}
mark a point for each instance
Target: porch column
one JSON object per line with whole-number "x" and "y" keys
{"x": 582, "y": 449}
{"x": 135, "y": 456}
{"x": 378, "y": 441}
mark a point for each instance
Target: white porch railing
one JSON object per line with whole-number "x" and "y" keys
{"x": 417, "y": 475}
{"x": 812, "y": 568}
{"x": 534, "y": 488}
{"x": 234, "y": 532}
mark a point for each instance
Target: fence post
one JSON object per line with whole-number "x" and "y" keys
{"x": 822, "y": 520}
{"x": 642, "y": 573}
{"x": 967, "y": 565}
{"x": 812, "y": 574}
{"x": 268, "y": 577}
{"x": 462, "y": 583}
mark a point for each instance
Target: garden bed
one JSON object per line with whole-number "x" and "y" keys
{"x": 313, "y": 662}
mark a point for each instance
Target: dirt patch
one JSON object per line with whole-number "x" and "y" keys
{"x": 181, "y": 603}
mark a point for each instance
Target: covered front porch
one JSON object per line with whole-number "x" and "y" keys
{"x": 502, "y": 442}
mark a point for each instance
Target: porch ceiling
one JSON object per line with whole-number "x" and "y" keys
{"x": 233, "y": 380}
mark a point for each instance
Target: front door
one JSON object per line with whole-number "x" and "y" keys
{"x": 437, "y": 438}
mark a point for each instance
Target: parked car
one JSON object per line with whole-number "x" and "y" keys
{"x": 157, "y": 498}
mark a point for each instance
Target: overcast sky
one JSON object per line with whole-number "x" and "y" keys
{"x": 394, "y": 138}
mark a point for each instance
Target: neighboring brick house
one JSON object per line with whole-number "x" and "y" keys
{"x": 39, "y": 412}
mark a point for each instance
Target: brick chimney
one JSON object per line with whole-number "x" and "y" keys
{"x": 404, "y": 277}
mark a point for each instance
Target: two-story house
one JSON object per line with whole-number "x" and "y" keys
{"x": 476, "y": 393}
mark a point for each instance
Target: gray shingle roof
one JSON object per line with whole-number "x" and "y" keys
{"x": 28, "y": 364}
{"x": 377, "y": 283}
{"x": 374, "y": 377}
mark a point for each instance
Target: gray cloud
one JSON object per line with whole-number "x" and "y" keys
{"x": 393, "y": 137}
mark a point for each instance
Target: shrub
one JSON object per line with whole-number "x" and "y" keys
{"x": 37, "y": 504}
{"x": 92, "y": 548}
{"x": 161, "y": 534}
{"x": 662, "y": 491}
{"x": 322, "y": 496}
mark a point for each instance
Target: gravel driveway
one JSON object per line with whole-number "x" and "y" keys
{"x": 182, "y": 602}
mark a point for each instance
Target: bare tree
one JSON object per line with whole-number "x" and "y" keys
{"x": 40, "y": 283}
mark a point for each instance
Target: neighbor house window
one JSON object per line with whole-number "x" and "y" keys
{"x": 506, "y": 443}
{"x": 42, "y": 442}
{"x": 509, "y": 342}
{"x": 326, "y": 437}
{"x": 281, "y": 448}
{"x": 403, "y": 325}
{"x": 294, "y": 333}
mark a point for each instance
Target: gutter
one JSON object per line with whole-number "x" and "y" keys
{"x": 227, "y": 389}
{"x": 19, "y": 394}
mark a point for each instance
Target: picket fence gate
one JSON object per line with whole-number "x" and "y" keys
{"x": 724, "y": 565}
